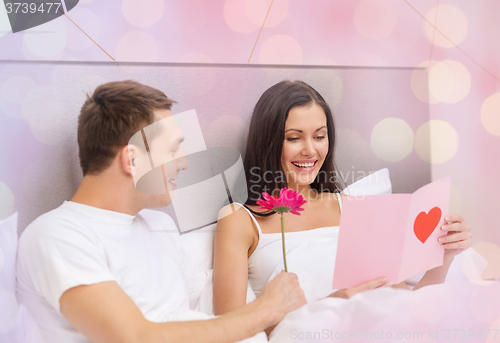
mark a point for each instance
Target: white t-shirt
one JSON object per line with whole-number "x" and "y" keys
{"x": 77, "y": 244}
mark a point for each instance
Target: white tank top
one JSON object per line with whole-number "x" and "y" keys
{"x": 310, "y": 254}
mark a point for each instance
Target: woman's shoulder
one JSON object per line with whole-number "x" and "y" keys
{"x": 234, "y": 208}
{"x": 235, "y": 224}
{"x": 234, "y": 214}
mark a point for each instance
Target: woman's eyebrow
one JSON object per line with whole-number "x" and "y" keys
{"x": 323, "y": 127}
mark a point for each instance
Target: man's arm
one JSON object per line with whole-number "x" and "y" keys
{"x": 105, "y": 313}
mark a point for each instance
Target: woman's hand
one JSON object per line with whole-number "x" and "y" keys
{"x": 349, "y": 292}
{"x": 459, "y": 236}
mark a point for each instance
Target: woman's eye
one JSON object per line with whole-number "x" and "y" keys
{"x": 320, "y": 138}
{"x": 292, "y": 139}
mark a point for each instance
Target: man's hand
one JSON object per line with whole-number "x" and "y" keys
{"x": 281, "y": 295}
{"x": 349, "y": 292}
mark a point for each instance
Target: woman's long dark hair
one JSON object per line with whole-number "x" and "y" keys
{"x": 262, "y": 160}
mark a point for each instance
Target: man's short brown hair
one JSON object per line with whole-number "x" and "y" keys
{"x": 111, "y": 116}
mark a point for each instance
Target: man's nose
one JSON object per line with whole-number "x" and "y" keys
{"x": 181, "y": 160}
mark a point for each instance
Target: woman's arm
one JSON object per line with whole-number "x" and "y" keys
{"x": 457, "y": 240}
{"x": 233, "y": 238}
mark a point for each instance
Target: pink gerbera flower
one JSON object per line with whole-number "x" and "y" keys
{"x": 287, "y": 201}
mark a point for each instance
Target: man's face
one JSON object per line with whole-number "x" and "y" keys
{"x": 157, "y": 169}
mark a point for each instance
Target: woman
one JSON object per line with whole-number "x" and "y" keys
{"x": 290, "y": 144}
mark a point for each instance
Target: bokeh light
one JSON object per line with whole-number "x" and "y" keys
{"x": 144, "y": 13}
{"x": 375, "y": 19}
{"x": 50, "y": 42}
{"x": 491, "y": 253}
{"x": 431, "y": 304}
{"x": 16, "y": 88}
{"x": 392, "y": 139}
{"x": 137, "y": 47}
{"x": 7, "y": 201}
{"x": 473, "y": 265}
{"x": 451, "y": 21}
{"x": 236, "y": 17}
{"x": 490, "y": 114}
{"x": 281, "y": 49}
{"x": 485, "y": 303}
{"x": 190, "y": 18}
{"x": 44, "y": 108}
{"x": 449, "y": 81}
{"x": 420, "y": 82}
{"x": 436, "y": 141}
{"x": 91, "y": 25}
{"x": 256, "y": 11}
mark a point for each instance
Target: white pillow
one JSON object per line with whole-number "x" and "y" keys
{"x": 197, "y": 251}
{"x": 16, "y": 324}
{"x": 8, "y": 250}
{"x": 198, "y": 245}
{"x": 373, "y": 184}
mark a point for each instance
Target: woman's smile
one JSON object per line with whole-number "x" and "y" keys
{"x": 306, "y": 166}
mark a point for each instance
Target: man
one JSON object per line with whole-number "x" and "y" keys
{"x": 102, "y": 267}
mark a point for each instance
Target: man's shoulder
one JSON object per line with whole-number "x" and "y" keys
{"x": 46, "y": 222}
{"x": 59, "y": 224}
{"x": 153, "y": 214}
{"x": 157, "y": 219}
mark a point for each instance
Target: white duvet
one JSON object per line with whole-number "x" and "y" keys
{"x": 463, "y": 309}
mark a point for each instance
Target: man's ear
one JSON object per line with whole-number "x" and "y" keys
{"x": 127, "y": 158}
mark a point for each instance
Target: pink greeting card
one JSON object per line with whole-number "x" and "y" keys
{"x": 391, "y": 235}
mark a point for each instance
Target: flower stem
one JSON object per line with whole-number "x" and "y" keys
{"x": 283, "y": 239}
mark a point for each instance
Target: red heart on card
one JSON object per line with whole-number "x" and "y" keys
{"x": 425, "y": 223}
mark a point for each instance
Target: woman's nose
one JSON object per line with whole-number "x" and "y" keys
{"x": 308, "y": 148}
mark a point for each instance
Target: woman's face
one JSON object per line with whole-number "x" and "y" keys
{"x": 306, "y": 144}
